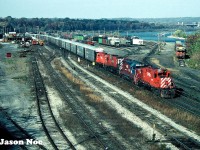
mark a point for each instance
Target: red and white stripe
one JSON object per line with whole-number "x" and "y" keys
{"x": 165, "y": 82}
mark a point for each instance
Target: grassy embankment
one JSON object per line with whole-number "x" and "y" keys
{"x": 87, "y": 90}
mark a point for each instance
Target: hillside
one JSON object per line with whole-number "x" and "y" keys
{"x": 66, "y": 24}
{"x": 165, "y": 20}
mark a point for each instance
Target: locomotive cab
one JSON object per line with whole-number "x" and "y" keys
{"x": 163, "y": 73}
{"x": 163, "y": 79}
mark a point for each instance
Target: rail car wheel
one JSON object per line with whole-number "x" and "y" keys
{"x": 167, "y": 93}
{"x": 172, "y": 93}
{"x": 149, "y": 87}
{"x": 164, "y": 93}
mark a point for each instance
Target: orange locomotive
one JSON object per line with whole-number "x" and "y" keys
{"x": 180, "y": 50}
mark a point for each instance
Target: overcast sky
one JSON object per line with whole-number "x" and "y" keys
{"x": 96, "y": 9}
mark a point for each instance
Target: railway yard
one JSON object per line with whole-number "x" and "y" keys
{"x": 61, "y": 101}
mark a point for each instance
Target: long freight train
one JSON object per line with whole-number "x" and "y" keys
{"x": 157, "y": 79}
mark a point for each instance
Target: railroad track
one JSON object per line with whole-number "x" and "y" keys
{"x": 180, "y": 103}
{"x": 189, "y": 107}
{"x": 16, "y": 130}
{"x": 172, "y": 135}
{"x": 182, "y": 91}
{"x": 186, "y": 102}
{"x": 97, "y": 132}
{"x": 189, "y": 102}
{"x": 185, "y": 143}
{"x": 128, "y": 49}
{"x": 52, "y": 129}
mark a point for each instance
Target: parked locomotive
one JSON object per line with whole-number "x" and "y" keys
{"x": 180, "y": 50}
{"x": 156, "y": 79}
{"x": 36, "y": 41}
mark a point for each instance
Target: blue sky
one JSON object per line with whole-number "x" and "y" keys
{"x": 95, "y": 9}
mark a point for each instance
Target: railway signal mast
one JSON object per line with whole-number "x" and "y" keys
{"x": 161, "y": 40}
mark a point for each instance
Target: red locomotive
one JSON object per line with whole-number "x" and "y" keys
{"x": 111, "y": 62}
{"x": 157, "y": 79}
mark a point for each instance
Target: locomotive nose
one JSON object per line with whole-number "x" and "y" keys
{"x": 165, "y": 82}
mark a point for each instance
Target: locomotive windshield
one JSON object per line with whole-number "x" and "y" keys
{"x": 163, "y": 74}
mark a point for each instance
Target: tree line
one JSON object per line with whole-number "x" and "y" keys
{"x": 193, "y": 50}
{"x": 66, "y": 24}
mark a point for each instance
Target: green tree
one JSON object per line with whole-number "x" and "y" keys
{"x": 180, "y": 33}
{"x": 193, "y": 50}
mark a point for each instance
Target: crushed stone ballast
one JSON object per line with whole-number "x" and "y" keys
{"x": 156, "y": 113}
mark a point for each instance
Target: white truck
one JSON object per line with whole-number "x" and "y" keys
{"x": 137, "y": 42}
{"x": 113, "y": 41}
